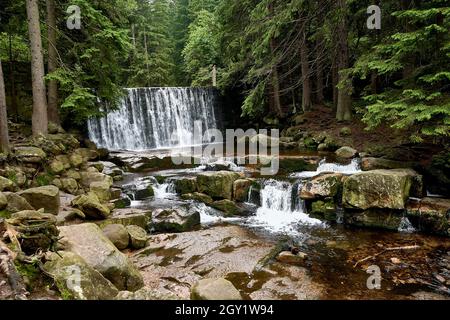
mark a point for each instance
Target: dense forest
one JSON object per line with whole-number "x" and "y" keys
{"x": 278, "y": 57}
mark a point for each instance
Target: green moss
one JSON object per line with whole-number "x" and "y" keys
{"x": 29, "y": 271}
{"x": 44, "y": 179}
{"x": 5, "y": 214}
{"x": 65, "y": 294}
{"x": 12, "y": 176}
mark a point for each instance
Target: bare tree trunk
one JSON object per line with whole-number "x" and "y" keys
{"x": 39, "y": 118}
{"x": 344, "y": 103}
{"x": 53, "y": 115}
{"x": 306, "y": 83}
{"x": 4, "y": 137}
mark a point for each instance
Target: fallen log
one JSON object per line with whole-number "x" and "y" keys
{"x": 384, "y": 251}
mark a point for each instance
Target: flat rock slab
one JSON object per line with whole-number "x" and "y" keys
{"x": 173, "y": 263}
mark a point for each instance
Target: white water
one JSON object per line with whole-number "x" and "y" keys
{"x": 155, "y": 118}
{"x": 351, "y": 168}
{"x": 164, "y": 190}
{"x": 278, "y": 213}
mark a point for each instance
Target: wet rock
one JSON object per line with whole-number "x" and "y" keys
{"x": 217, "y": 184}
{"x": 228, "y": 207}
{"x": 138, "y": 236}
{"x": 127, "y": 217}
{"x": 290, "y": 258}
{"x": 6, "y": 184}
{"x": 46, "y": 197}
{"x": 370, "y": 163}
{"x": 111, "y": 169}
{"x": 30, "y": 155}
{"x": 88, "y": 241}
{"x": 91, "y": 206}
{"x": 200, "y": 197}
{"x": 241, "y": 188}
{"x": 143, "y": 192}
{"x": 16, "y": 203}
{"x": 346, "y": 153}
{"x": 121, "y": 203}
{"x": 3, "y": 201}
{"x": 118, "y": 235}
{"x": 69, "y": 185}
{"x": 215, "y": 289}
{"x": 378, "y": 189}
{"x": 323, "y": 186}
{"x": 186, "y": 185}
{"x": 91, "y": 285}
{"x": 430, "y": 215}
{"x": 175, "y": 220}
{"x": 375, "y": 218}
{"x": 298, "y": 163}
{"x": 325, "y": 209}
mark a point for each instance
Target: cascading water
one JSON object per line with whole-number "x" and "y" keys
{"x": 281, "y": 209}
{"x": 351, "y": 168}
{"x": 156, "y": 118}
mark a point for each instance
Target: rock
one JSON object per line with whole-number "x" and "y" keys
{"x": 97, "y": 165}
{"x": 369, "y": 163}
{"x": 431, "y": 215}
{"x": 70, "y": 215}
{"x": 241, "y": 188}
{"x": 57, "y": 183}
{"x": 323, "y": 186}
{"x": 292, "y": 164}
{"x": 116, "y": 193}
{"x": 145, "y": 294}
{"x": 87, "y": 154}
{"x": 123, "y": 202}
{"x": 88, "y": 177}
{"x": 290, "y": 258}
{"x": 186, "y": 185}
{"x": 271, "y": 121}
{"x": 46, "y": 197}
{"x": 54, "y": 128}
{"x": 228, "y": 207}
{"x": 300, "y": 119}
{"x": 73, "y": 174}
{"x": 215, "y": 289}
{"x": 200, "y": 197}
{"x": 325, "y": 209}
{"x": 378, "y": 189}
{"x": 3, "y": 201}
{"x": 88, "y": 241}
{"x": 142, "y": 193}
{"x": 118, "y": 235}
{"x": 91, "y": 206}
{"x": 102, "y": 153}
{"x": 310, "y": 143}
{"x": 375, "y": 218}
{"x": 6, "y": 184}
{"x": 396, "y": 260}
{"x": 56, "y": 167}
{"x": 217, "y": 184}
{"x": 30, "y": 154}
{"x": 69, "y": 185}
{"x": 138, "y": 237}
{"x": 128, "y": 217}
{"x": 345, "y": 132}
{"x": 322, "y": 147}
{"x": 101, "y": 189}
{"x": 346, "y": 153}
{"x": 76, "y": 160}
{"x": 16, "y": 203}
{"x": 111, "y": 169}
{"x": 175, "y": 220}
{"x": 90, "y": 285}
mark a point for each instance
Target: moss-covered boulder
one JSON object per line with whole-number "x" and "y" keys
{"x": 16, "y": 203}
{"x": 378, "y": 189}
{"x": 215, "y": 289}
{"x": 56, "y": 167}
{"x": 46, "y": 197}
{"x": 102, "y": 189}
{"x": 76, "y": 160}
{"x": 138, "y": 236}
{"x": 88, "y": 241}
{"x": 73, "y": 174}
{"x": 324, "y": 209}
{"x": 375, "y": 218}
{"x": 64, "y": 159}
{"x": 370, "y": 163}
{"x": 128, "y": 217}
{"x": 346, "y": 153}
{"x": 228, "y": 207}
{"x": 69, "y": 185}
{"x": 431, "y": 215}
{"x": 30, "y": 155}
{"x": 91, "y": 206}
{"x": 76, "y": 280}
{"x": 186, "y": 185}
{"x": 200, "y": 197}
{"x": 88, "y": 177}
{"x": 324, "y": 186}
{"x": 6, "y": 184}
{"x": 241, "y": 188}
{"x": 175, "y": 220}
{"x": 118, "y": 235}
{"x": 218, "y": 185}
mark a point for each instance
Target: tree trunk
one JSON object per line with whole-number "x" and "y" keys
{"x": 319, "y": 82}
{"x": 4, "y": 137}
{"x": 335, "y": 82}
{"x": 53, "y": 115}
{"x": 12, "y": 80}
{"x": 275, "y": 76}
{"x": 39, "y": 118}
{"x": 306, "y": 83}
{"x": 344, "y": 103}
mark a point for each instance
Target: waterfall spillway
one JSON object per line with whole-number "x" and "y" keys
{"x": 154, "y": 118}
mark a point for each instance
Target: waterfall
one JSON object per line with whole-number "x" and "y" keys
{"x": 351, "y": 168}
{"x": 155, "y": 118}
{"x": 281, "y": 209}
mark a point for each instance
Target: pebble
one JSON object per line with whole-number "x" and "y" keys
{"x": 396, "y": 260}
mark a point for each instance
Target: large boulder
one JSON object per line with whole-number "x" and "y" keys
{"x": 30, "y": 154}
{"x": 370, "y": 163}
{"x": 228, "y": 207}
{"x": 91, "y": 206}
{"x": 89, "y": 242}
{"x": 217, "y": 184}
{"x": 46, "y": 197}
{"x": 76, "y": 280}
{"x": 175, "y": 220}
{"x": 102, "y": 189}
{"x": 128, "y": 217}
{"x": 56, "y": 167}
{"x": 378, "y": 189}
{"x": 241, "y": 188}
{"x": 215, "y": 289}
{"x": 346, "y": 153}
{"x": 69, "y": 185}
{"x": 200, "y": 197}
{"x": 430, "y": 215}
{"x": 118, "y": 235}
{"x": 6, "y": 184}
{"x": 138, "y": 237}
{"x": 375, "y": 218}
{"x": 323, "y": 186}
{"x": 186, "y": 185}
{"x": 16, "y": 203}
